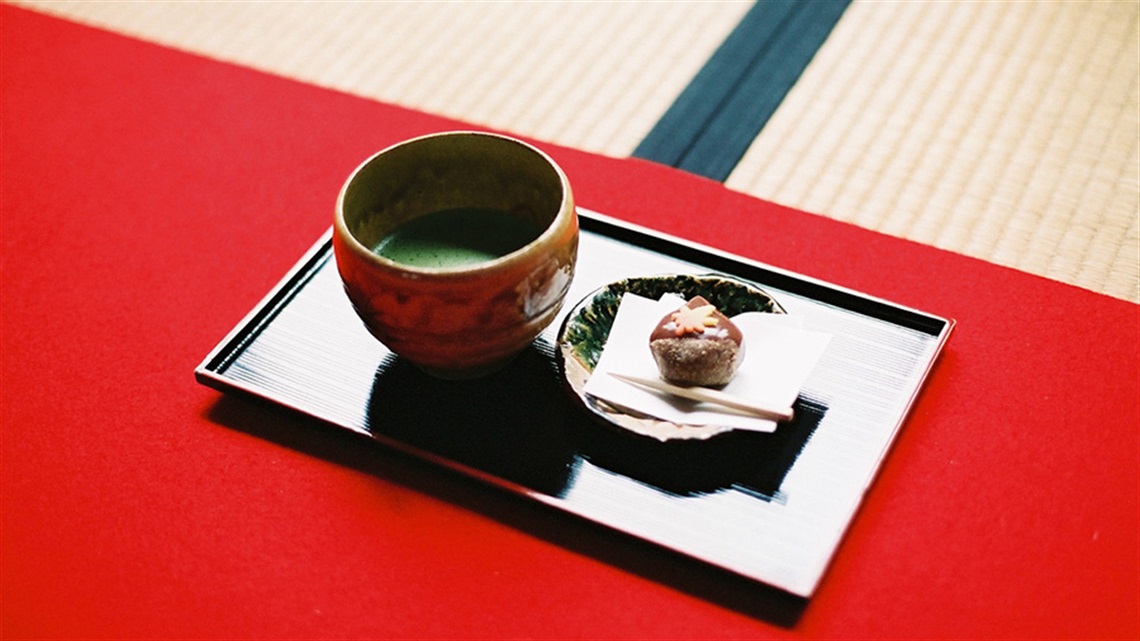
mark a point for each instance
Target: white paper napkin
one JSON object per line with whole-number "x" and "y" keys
{"x": 778, "y": 357}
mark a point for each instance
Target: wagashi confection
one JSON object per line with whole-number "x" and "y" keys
{"x": 697, "y": 345}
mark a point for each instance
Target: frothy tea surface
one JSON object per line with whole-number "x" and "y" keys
{"x": 457, "y": 238}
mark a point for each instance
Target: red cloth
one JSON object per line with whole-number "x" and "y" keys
{"x": 150, "y": 198}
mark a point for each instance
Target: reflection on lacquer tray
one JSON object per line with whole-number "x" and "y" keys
{"x": 520, "y": 425}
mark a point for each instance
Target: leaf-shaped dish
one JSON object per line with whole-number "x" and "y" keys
{"x": 583, "y": 335}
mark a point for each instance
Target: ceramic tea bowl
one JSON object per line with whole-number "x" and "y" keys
{"x": 456, "y": 320}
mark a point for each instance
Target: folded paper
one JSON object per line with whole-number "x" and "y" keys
{"x": 778, "y": 357}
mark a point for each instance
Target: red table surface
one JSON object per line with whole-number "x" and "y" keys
{"x": 150, "y": 198}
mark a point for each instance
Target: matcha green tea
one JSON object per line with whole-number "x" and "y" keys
{"x": 457, "y": 238}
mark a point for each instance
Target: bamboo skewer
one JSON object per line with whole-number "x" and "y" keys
{"x": 709, "y": 396}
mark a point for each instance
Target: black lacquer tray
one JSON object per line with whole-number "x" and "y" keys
{"x": 769, "y": 507}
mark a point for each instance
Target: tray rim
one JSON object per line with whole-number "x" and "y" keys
{"x": 211, "y": 371}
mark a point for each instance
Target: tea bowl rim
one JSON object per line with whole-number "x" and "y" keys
{"x": 566, "y": 214}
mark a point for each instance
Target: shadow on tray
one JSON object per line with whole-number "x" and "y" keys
{"x": 521, "y": 426}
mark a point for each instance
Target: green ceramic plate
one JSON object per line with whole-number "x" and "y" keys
{"x": 584, "y": 332}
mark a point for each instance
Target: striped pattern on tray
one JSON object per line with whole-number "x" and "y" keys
{"x": 776, "y": 514}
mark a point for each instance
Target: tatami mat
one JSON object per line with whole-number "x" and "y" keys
{"x": 1004, "y": 130}
{"x": 590, "y": 75}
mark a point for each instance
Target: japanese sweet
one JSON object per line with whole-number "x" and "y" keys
{"x": 697, "y": 345}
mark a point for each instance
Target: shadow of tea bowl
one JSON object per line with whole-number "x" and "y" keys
{"x": 456, "y": 249}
